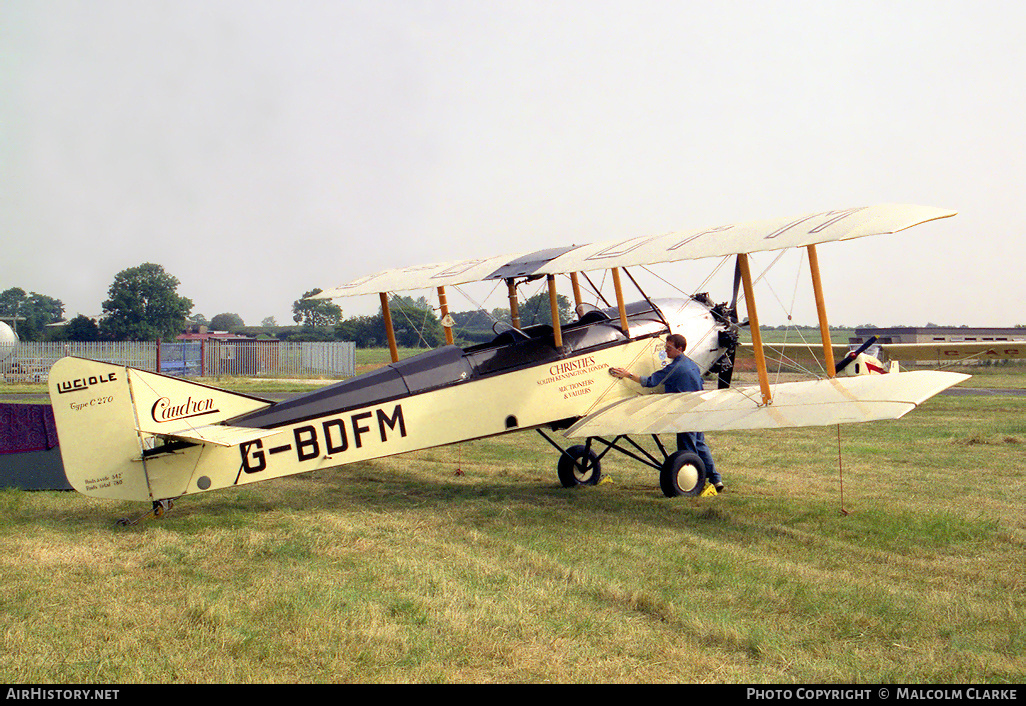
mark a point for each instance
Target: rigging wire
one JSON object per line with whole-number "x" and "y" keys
{"x": 784, "y": 359}
{"x": 537, "y": 306}
{"x": 790, "y": 313}
{"x": 480, "y": 306}
{"x": 597, "y": 290}
{"x": 700, "y": 287}
{"x": 423, "y": 325}
{"x": 840, "y": 470}
{"x": 790, "y": 318}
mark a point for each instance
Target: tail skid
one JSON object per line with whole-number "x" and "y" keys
{"x": 111, "y": 418}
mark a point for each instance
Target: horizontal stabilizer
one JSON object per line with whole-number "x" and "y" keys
{"x": 220, "y": 434}
{"x": 794, "y": 404}
{"x": 169, "y": 406}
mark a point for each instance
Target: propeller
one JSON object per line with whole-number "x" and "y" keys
{"x": 737, "y": 286}
{"x": 852, "y": 355}
{"x": 727, "y": 313}
{"x": 725, "y": 365}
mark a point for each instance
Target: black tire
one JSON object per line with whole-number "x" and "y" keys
{"x": 578, "y": 466}
{"x": 682, "y": 474}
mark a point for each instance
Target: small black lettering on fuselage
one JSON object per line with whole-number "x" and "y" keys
{"x": 329, "y": 437}
{"x": 80, "y": 384}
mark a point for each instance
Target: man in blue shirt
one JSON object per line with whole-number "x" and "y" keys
{"x": 681, "y": 375}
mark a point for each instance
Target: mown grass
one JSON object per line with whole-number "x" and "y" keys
{"x": 403, "y": 570}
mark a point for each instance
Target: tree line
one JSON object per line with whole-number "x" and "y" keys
{"x": 143, "y": 304}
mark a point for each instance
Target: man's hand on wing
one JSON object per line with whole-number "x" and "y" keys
{"x": 623, "y": 374}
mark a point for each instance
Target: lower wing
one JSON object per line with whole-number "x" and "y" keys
{"x": 830, "y": 401}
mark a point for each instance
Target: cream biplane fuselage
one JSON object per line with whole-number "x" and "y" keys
{"x": 135, "y": 435}
{"x": 152, "y": 438}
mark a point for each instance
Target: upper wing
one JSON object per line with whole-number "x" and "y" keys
{"x": 863, "y": 398}
{"x": 420, "y": 277}
{"x": 746, "y": 238}
{"x": 668, "y": 247}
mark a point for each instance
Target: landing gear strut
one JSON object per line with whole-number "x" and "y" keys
{"x": 160, "y": 508}
{"x": 680, "y": 472}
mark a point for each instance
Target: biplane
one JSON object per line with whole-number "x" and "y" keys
{"x": 135, "y": 435}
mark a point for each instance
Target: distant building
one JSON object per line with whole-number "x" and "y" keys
{"x": 932, "y": 334}
{"x": 199, "y": 332}
{"x": 224, "y": 353}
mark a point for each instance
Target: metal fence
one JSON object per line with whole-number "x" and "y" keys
{"x": 278, "y": 358}
{"x": 32, "y": 359}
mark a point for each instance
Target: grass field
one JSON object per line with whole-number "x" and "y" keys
{"x": 402, "y": 570}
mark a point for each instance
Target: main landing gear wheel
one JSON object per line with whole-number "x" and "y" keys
{"x": 578, "y": 466}
{"x": 682, "y": 474}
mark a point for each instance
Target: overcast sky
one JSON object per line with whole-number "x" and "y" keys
{"x": 259, "y": 149}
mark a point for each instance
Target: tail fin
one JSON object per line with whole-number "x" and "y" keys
{"x": 107, "y": 415}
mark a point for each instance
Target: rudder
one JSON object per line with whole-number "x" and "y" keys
{"x": 108, "y": 415}
{"x": 100, "y": 447}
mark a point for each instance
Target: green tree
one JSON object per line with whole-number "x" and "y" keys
{"x": 226, "y": 322}
{"x": 537, "y": 310}
{"x": 144, "y": 305}
{"x": 415, "y": 323}
{"x": 32, "y": 312}
{"x": 477, "y": 325}
{"x": 364, "y": 331}
{"x": 315, "y": 312}
{"x": 82, "y": 328}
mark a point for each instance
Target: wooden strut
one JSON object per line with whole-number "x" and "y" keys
{"x": 619, "y": 301}
{"x": 753, "y": 323}
{"x": 443, "y": 305}
{"x": 557, "y": 331}
{"x": 389, "y": 331}
{"x": 824, "y": 328}
{"x": 514, "y": 308}
{"x": 578, "y": 299}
